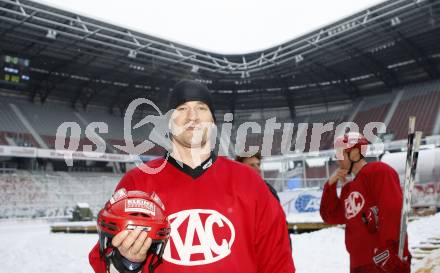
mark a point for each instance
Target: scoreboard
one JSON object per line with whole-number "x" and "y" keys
{"x": 14, "y": 70}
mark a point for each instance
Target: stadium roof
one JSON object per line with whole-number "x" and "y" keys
{"x": 218, "y": 26}
{"x": 85, "y": 61}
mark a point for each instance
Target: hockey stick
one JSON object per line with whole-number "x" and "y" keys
{"x": 403, "y": 214}
{"x": 414, "y": 140}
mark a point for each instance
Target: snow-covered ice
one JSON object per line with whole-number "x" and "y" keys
{"x": 29, "y": 246}
{"x": 430, "y": 264}
{"x": 305, "y": 217}
{"x": 423, "y": 229}
{"x": 321, "y": 251}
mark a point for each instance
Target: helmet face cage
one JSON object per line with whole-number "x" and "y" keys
{"x": 155, "y": 253}
{"x": 134, "y": 210}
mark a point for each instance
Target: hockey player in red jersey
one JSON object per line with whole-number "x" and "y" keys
{"x": 369, "y": 206}
{"x": 222, "y": 215}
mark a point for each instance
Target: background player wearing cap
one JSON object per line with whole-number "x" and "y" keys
{"x": 369, "y": 206}
{"x": 223, "y": 217}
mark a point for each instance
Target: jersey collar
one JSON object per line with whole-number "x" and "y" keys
{"x": 196, "y": 172}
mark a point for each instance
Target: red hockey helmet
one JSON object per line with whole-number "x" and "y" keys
{"x": 348, "y": 142}
{"x": 134, "y": 210}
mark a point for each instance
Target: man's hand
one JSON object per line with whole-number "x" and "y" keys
{"x": 132, "y": 244}
{"x": 339, "y": 174}
{"x": 387, "y": 261}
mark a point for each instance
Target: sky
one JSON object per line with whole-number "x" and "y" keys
{"x": 226, "y": 26}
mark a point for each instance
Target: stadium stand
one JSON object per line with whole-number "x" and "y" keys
{"x": 8, "y": 120}
{"x": 115, "y": 123}
{"x": 373, "y": 109}
{"x": 52, "y": 194}
{"x": 420, "y": 100}
{"x": 47, "y": 117}
{"x": 327, "y": 137}
{"x": 12, "y": 131}
{"x": 423, "y": 101}
{"x": 3, "y": 138}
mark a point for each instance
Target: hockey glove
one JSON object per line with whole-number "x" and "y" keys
{"x": 387, "y": 260}
{"x": 122, "y": 265}
{"x": 371, "y": 219}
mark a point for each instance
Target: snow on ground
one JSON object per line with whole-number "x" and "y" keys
{"x": 31, "y": 247}
{"x": 430, "y": 264}
{"x": 305, "y": 217}
{"x": 321, "y": 251}
{"x": 423, "y": 229}
{"x": 74, "y": 224}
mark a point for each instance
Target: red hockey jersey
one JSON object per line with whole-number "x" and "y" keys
{"x": 223, "y": 219}
{"x": 376, "y": 184}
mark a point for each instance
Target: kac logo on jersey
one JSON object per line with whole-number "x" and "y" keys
{"x": 353, "y": 204}
{"x": 199, "y": 237}
{"x": 307, "y": 203}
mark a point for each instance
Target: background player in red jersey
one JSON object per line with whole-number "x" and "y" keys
{"x": 369, "y": 206}
{"x": 223, "y": 217}
{"x": 255, "y": 163}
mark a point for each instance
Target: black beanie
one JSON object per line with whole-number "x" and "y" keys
{"x": 190, "y": 90}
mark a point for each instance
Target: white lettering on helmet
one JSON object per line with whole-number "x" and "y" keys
{"x": 140, "y": 205}
{"x": 118, "y": 195}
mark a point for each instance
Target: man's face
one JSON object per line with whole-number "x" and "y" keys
{"x": 345, "y": 163}
{"x": 254, "y": 163}
{"x": 190, "y": 124}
